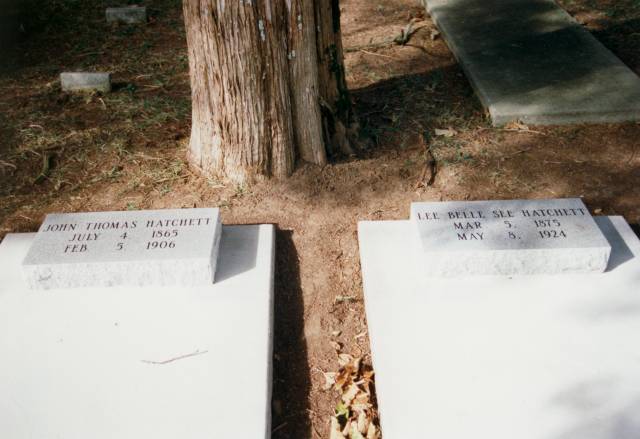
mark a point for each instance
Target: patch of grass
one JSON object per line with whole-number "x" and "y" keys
{"x": 95, "y": 138}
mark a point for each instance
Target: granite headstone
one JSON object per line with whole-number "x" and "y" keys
{"x": 551, "y": 236}
{"x": 152, "y": 247}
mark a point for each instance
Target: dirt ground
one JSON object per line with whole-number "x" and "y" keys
{"x": 126, "y": 150}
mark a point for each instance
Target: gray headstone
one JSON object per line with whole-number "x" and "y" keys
{"x": 81, "y": 81}
{"x": 509, "y": 237}
{"x": 127, "y": 15}
{"x": 153, "y": 247}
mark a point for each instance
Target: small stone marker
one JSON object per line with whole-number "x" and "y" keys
{"x": 510, "y": 237}
{"x": 81, "y": 81}
{"x": 128, "y": 15}
{"x": 152, "y": 247}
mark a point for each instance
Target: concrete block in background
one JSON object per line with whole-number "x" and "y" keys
{"x": 83, "y": 81}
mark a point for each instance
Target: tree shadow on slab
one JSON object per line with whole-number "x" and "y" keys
{"x": 621, "y": 422}
{"x": 291, "y": 375}
{"x": 240, "y": 252}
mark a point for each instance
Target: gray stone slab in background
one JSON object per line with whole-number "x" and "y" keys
{"x": 83, "y": 81}
{"x": 462, "y": 238}
{"x": 127, "y": 15}
{"x": 529, "y": 60}
{"x": 152, "y": 247}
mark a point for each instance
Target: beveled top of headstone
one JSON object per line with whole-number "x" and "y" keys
{"x": 124, "y": 236}
{"x": 510, "y": 237}
{"x": 105, "y": 249}
{"x": 506, "y": 225}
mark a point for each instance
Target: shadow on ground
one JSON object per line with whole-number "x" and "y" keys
{"x": 291, "y": 375}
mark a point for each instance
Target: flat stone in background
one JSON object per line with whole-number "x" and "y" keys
{"x": 147, "y": 247}
{"x": 127, "y": 14}
{"x": 81, "y": 81}
{"x": 529, "y": 60}
{"x": 535, "y": 357}
{"x": 143, "y": 362}
{"x": 461, "y": 238}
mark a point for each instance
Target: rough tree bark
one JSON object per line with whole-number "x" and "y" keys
{"x": 268, "y": 86}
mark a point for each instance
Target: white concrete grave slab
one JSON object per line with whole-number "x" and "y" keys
{"x": 530, "y": 61}
{"x": 521, "y": 357}
{"x": 143, "y": 362}
{"x": 461, "y": 238}
{"x": 146, "y": 247}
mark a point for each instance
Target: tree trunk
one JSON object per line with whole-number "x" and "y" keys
{"x": 268, "y": 86}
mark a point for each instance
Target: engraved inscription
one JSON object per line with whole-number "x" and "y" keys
{"x": 504, "y": 224}
{"x": 130, "y": 247}
{"x": 509, "y": 237}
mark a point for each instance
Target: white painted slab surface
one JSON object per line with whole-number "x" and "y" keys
{"x": 128, "y": 15}
{"x": 527, "y": 357}
{"x": 75, "y": 363}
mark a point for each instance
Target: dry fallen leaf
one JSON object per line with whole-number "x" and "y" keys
{"x": 516, "y": 126}
{"x": 354, "y": 433}
{"x": 354, "y": 415}
{"x": 344, "y": 359}
{"x": 446, "y": 132}
{"x": 372, "y": 433}
{"x": 343, "y": 377}
{"x": 335, "y": 432}
{"x": 350, "y": 394}
{"x": 363, "y": 422}
{"x": 329, "y": 380}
